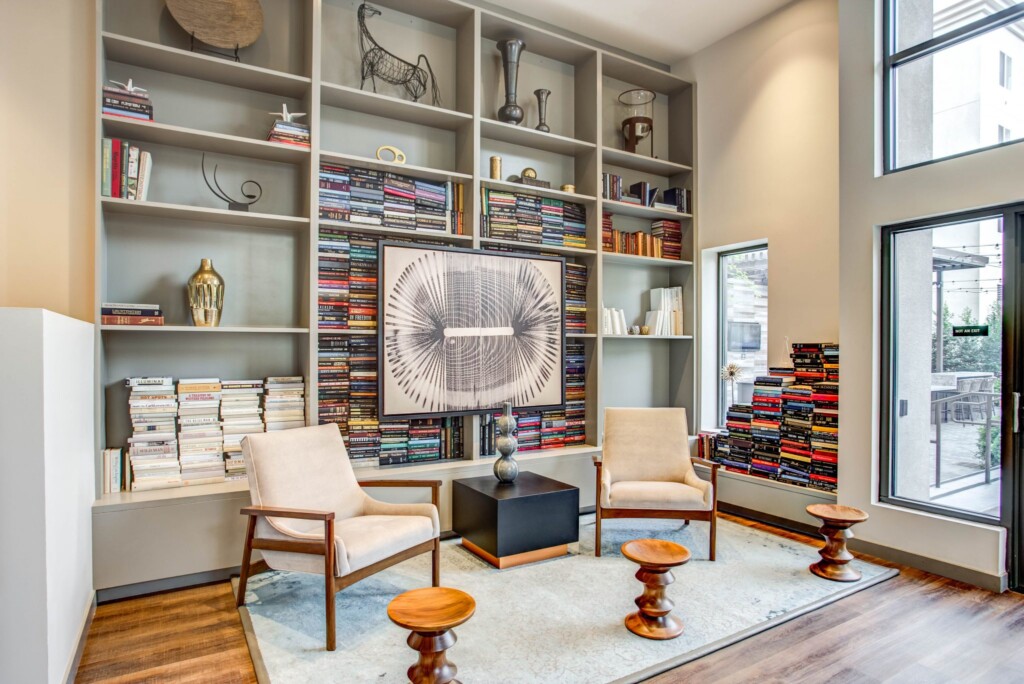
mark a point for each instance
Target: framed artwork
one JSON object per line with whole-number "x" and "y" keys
{"x": 462, "y": 331}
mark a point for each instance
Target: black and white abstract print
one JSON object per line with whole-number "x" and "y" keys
{"x": 466, "y": 331}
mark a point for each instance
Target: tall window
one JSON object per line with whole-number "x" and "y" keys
{"x": 742, "y": 322}
{"x": 949, "y": 77}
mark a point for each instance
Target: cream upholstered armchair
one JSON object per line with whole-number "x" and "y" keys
{"x": 307, "y": 503}
{"x": 646, "y": 470}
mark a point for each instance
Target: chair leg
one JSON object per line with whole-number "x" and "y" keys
{"x": 246, "y": 557}
{"x": 435, "y": 563}
{"x": 714, "y": 530}
{"x": 329, "y": 582}
{"x": 597, "y": 534}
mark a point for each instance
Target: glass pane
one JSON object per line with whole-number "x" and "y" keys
{"x": 960, "y": 99}
{"x": 744, "y": 328}
{"x": 919, "y": 20}
{"x": 946, "y": 442}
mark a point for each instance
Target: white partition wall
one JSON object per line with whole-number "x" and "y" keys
{"x": 46, "y": 491}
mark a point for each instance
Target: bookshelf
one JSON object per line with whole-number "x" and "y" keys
{"x": 308, "y": 59}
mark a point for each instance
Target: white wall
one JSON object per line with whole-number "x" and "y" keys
{"x": 46, "y": 492}
{"x": 869, "y": 200}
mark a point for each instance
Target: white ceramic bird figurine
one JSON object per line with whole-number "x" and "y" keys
{"x": 286, "y": 116}
{"x": 129, "y": 86}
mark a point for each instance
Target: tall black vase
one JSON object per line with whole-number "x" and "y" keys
{"x": 510, "y": 50}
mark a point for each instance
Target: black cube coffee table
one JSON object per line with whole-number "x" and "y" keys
{"x": 532, "y": 519}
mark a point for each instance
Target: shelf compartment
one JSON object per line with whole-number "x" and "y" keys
{"x": 642, "y": 261}
{"x": 510, "y": 186}
{"x": 178, "y": 136}
{"x": 532, "y": 246}
{"x": 115, "y": 205}
{"x": 235, "y": 330}
{"x": 171, "y": 60}
{"x": 424, "y": 172}
{"x": 639, "y": 211}
{"x": 611, "y": 156}
{"x": 384, "y": 233}
{"x": 369, "y": 102}
{"x": 529, "y": 137}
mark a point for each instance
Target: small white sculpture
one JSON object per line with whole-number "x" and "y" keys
{"x": 286, "y": 116}
{"x": 129, "y": 86}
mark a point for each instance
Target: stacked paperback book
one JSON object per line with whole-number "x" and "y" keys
{"x": 240, "y": 415}
{"x": 200, "y": 437}
{"x": 797, "y": 410}
{"x": 575, "y": 298}
{"x": 766, "y": 424}
{"x": 125, "y": 170}
{"x": 663, "y": 242}
{"x": 153, "y": 446}
{"x": 120, "y": 313}
{"x": 347, "y": 283}
{"x": 740, "y": 442}
{"x": 131, "y": 103}
{"x": 524, "y": 218}
{"x": 289, "y": 133}
{"x": 284, "y": 402}
{"x": 363, "y": 426}
{"x": 613, "y": 322}
{"x": 391, "y": 200}
{"x": 575, "y": 393}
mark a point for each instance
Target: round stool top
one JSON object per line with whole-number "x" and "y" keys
{"x": 837, "y": 513}
{"x": 431, "y": 609}
{"x": 656, "y": 552}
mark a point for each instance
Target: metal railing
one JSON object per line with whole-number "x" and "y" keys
{"x": 968, "y": 401}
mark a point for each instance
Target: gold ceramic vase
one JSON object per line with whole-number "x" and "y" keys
{"x": 206, "y": 295}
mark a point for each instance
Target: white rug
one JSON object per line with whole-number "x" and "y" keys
{"x": 555, "y": 621}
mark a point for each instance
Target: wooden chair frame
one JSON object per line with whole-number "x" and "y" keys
{"x": 325, "y": 548}
{"x": 710, "y": 516}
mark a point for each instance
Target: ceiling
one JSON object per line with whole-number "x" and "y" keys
{"x": 662, "y": 30}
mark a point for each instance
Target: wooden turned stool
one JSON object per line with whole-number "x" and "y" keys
{"x": 836, "y": 523}
{"x": 430, "y": 614}
{"x": 656, "y": 558}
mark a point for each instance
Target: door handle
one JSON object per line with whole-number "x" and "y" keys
{"x": 1016, "y": 411}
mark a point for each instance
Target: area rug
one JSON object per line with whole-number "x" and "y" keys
{"x": 556, "y": 621}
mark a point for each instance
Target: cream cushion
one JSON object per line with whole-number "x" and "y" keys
{"x": 646, "y": 462}
{"x": 309, "y": 468}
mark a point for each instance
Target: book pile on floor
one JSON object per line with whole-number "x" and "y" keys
{"x": 816, "y": 369}
{"x": 284, "y": 402}
{"x": 575, "y": 298}
{"x": 575, "y": 393}
{"x": 240, "y": 415}
{"x": 740, "y": 441}
{"x": 125, "y": 170}
{"x": 131, "y": 103}
{"x": 663, "y": 242}
{"x": 119, "y": 313}
{"x": 391, "y": 200}
{"x": 153, "y": 446}
{"x": 289, "y": 133}
{"x": 766, "y": 424}
{"x": 539, "y": 221}
{"x": 795, "y": 467}
{"x": 200, "y": 436}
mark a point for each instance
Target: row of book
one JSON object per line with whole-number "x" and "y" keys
{"x": 131, "y": 313}
{"x": 131, "y": 103}
{"x": 665, "y": 240}
{"x": 642, "y": 194}
{"x": 378, "y": 198}
{"x": 190, "y": 432}
{"x": 537, "y": 220}
{"x": 125, "y": 170}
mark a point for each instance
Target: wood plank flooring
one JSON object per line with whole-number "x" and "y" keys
{"x": 916, "y": 628}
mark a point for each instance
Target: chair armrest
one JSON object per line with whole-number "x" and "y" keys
{"x": 434, "y": 485}
{"x": 705, "y": 462}
{"x": 296, "y": 513}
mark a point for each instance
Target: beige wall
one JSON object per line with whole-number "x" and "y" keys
{"x": 768, "y": 169}
{"x": 869, "y": 200}
{"x": 46, "y": 172}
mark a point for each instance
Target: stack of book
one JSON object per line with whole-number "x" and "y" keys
{"x": 377, "y": 198}
{"x": 825, "y": 436}
{"x": 552, "y": 429}
{"x": 611, "y": 186}
{"x": 289, "y": 133}
{"x": 529, "y": 429}
{"x": 284, "y": 403}
{"x": 424, "y": 440}
{"x": 394, "y": 441}
{"x": 113, "y": 473}
{"x": 574, "y": 224}
{"x": 575, "y": 298}
{"x": 200, "y": 436}
{"x": 118, "y": 313}
{"x": 552, "y": 218}
{"x": 766, "y": 425}
{"x": 125, "y": 170}
{"x": 529, "y": 224}
{"x": 131, "y": 104}
{"x": 362, "y": 289}
{"x": 240, "y": 415}
{"x": 333, "y": 382}
{"x": 153, "y": 446}
{"x": 498, "y": 214}
{"x": 796, "y": 430}
{"x": 680, "y": 199}
{"x": 664, "y": 242}
{"x": 671, "y": 236}
{"x": 539, "y": 221}
{"x": 575, "y": 393}
{"x": 334, "y": 254}
{"x": 363, "y": 425}
{"x": 738, "y": 421}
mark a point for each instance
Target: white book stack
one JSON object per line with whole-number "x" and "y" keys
{"x": 153, "y": 446}
{"x": 613, "y": 322}
{"x": 200, "y": 438}
{"x": 284, "y": 403}
{"x": 240, "y": 415}
{"x": 666, "y": 314}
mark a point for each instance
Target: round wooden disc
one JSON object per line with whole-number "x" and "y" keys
{"x": 431, "y": 609}
{"x": 837, "y": 513}
{"x": 655, "y": 552}
{"x": 220, "y": 23}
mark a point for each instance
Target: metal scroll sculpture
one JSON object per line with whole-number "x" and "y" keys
{"x": 466, "y": 332}
{"x": 233, "y": 204}
{"x": 389, "y": 67}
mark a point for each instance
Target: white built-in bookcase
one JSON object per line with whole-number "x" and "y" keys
{"x": 308, "y": 58}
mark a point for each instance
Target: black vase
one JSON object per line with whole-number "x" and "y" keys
{"x": 510, "y": 50}
{"x": 542, "y": 109}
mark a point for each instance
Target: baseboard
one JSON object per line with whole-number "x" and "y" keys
{"x": 83, "y": 635}
{"x": 994, "y": 583}
{"x": 167, "y": 584}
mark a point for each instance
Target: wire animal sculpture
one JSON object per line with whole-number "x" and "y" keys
{"x": 390, "y": 68}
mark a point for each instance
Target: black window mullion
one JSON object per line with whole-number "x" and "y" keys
{"x": 946, "y": 40}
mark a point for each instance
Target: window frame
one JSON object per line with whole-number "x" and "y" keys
{"x": 888, "y": 400}
{"x": 893, "y": 59}
{"x": 720, "y": 393}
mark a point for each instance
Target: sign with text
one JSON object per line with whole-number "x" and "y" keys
{"x": 970, "y": 331}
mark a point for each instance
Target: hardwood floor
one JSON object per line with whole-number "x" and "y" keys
{"x": 916, "y": 628}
